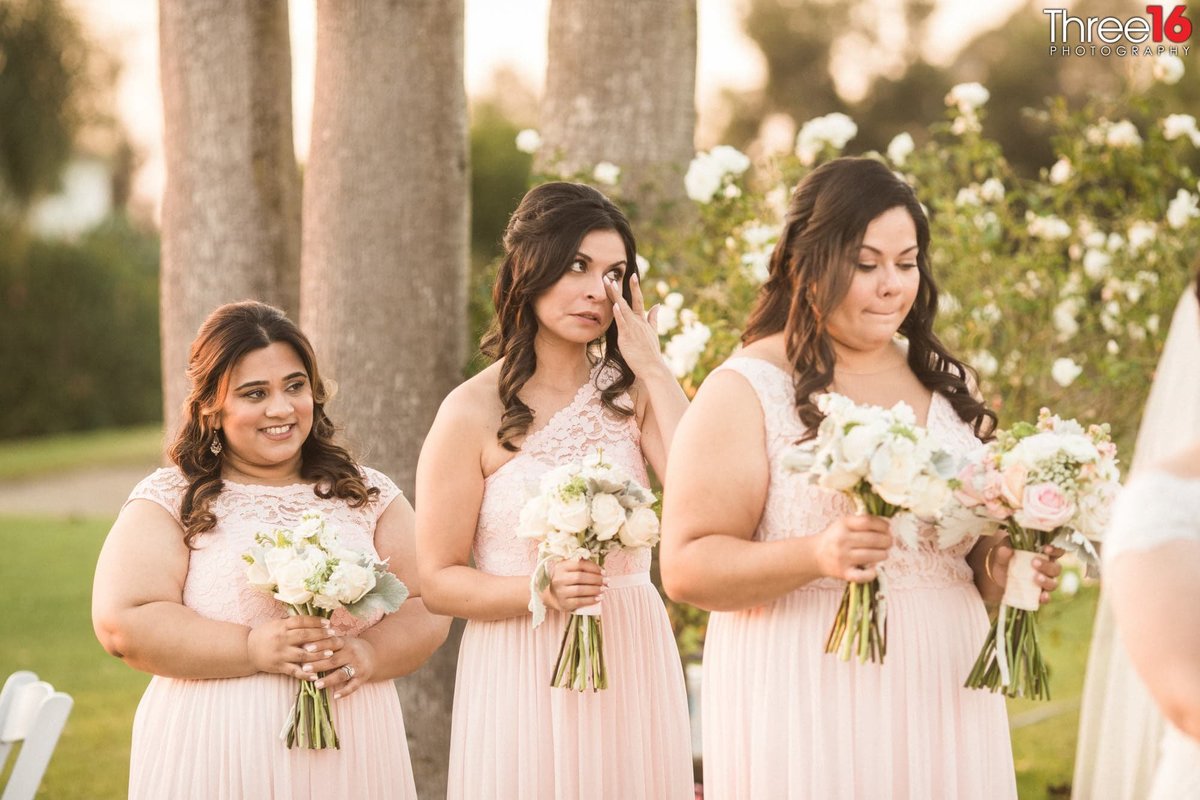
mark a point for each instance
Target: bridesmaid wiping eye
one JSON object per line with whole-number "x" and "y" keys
{"x": 576, "y": 370}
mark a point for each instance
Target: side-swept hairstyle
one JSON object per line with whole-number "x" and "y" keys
{"x": 540, "y": 242}
{"x": 810, "y": 273}
{"x": 225, "y": 337}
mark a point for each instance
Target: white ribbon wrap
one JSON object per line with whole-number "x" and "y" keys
{"x": 1021, "y": 591}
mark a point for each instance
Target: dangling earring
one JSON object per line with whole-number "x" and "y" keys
{"x": 216, "y": 447}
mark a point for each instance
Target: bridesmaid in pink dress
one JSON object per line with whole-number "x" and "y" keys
{"x": 769, "y": 554}
{"x": 255, "y": 452}
{"x": 562, "y": 387}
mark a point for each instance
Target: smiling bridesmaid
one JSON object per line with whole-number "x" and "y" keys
{"x": 577, "y": 369}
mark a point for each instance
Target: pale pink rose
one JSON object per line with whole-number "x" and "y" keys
{"x": 1045, "y": 508}
{"x": 1012, "y": 486}
{"x": 969, "y": 493}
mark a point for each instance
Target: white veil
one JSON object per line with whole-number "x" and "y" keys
{"x": 1119, "y": 726}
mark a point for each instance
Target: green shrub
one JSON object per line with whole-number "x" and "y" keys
{"x": 79, "y": 337}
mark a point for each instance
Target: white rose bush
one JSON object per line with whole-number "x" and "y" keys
{"x": 584, "y": 510}
{"x": 309, "y": 570}
{"x": 888, "y": 465}
{"x": 1049, "y": 483}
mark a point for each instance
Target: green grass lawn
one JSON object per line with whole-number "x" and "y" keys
{"x": 21, "y": 458}
{"x": 1044, "y": 751}
{"x": 46, "y": 583}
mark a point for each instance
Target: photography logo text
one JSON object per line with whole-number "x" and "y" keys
{"x": 1161, "y": 31}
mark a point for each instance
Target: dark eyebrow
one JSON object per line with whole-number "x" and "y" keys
{"x": 880, "y": 252}
{"x": 248, "y": 384}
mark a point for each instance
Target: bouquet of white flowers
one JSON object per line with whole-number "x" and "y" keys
{"x": 309, "y": 570}
{"x": 1052, "y": 483}
{"x": 584, "y": 510}
{"x": 887, "y": 464}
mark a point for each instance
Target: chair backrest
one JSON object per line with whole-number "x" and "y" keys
{"x": 32, "y": 713}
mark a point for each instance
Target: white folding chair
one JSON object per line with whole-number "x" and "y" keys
{"x": 32, "y": 713}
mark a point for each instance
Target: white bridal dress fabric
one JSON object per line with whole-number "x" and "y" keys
{"x": 1120, "y": 729}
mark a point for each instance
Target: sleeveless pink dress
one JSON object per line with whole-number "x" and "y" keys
{"x": 783, "y": 719}
{"x": 513, "y": 736}
{"x": 219, "y": 739}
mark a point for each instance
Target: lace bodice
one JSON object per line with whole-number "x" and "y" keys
{"x": 795, "y": 507}
{"x": 216, "y": 585}
{"x": 574, "y": 432}
{"x": 1154, "y": 508}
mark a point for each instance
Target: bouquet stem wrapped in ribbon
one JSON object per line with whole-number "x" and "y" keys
{"x": 1052, "y": 483}
{"x": 584, "y": 510}
{"x": 309, "y": 570}
{"x": 888, "y": 465}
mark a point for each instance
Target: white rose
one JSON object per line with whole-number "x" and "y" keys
{"x": 703, "y": 178}
{"x": 534, "y": 522}
{"x": 967, "y": 97}
{"x": 1141, "y": 234}
{"x": 1176, "y": 126}
{"x": 1123, "y": 134}
{"x": 1064, "y": 371}
{"x": 900, "y": 148}
{"x": 1168, "y": 68}
{"x": 1065, "y": 321}
{"x": 992, "y": 191}
{"x": 529, "y": 141}
{"x": 927, "y": 494}
{"x": 290, "y": 579}
{"x": 1095, "y": 264}
{"x": 859, "y": 445}
{"x": 1050, "y": 227}
{"x": 561, "y": 544}
{"x": 893, "y": 469}
{"x": 607, "y": 516}
{"x": 569, "y": 514}
{"x": 607, "y": 173}
{"x": 257, "y": 573}
{"x": 967, "y": 196}
{"x": 1184, "y": 207}
{"x": 643, "y": 265}
{"x": 557, "y": 477}
{"x": 674, "y": 300}
{"x": 729, "y": 159}
{"x": 641, "y": 530}
{"x": 348, "y": 583}
{"x": 834, "y": 130}
{"x": 1061, "y": 172}
{"x": 310, "y": 528}
{"x": 667, "y": 319}
{"x": 985, "y": 363}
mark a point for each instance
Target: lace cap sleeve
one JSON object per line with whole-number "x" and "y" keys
{"x": 388, "y": 490}
{"x": 1154, "y": 508}
{"x": 163, "y": 486}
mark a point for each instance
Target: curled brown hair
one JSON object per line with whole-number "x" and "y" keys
{"x": 810, "y": 273}
{"x": 540, "y": 242}
{"x": 228, "y": 334}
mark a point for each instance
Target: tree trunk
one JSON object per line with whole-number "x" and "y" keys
{"x": 620, "y": 87}
{"x": 231, "y": 209}
{"x": 384, "y": 272}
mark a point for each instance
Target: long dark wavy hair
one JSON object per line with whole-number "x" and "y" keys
{"x": 810, "y": 273}
{"x": 228, "y": 334}
{"x": 540, "y": 242}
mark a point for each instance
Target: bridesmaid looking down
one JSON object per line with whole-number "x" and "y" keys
{"x": 577, "y": 369}
{"x": 256, "y": 451}
{"x": 770, "y": 553}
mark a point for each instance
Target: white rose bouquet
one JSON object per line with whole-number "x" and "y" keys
{"x": 887, "y": 464}
{"x": 1052, "y": 483}
{"x": 585, "y": 510}
{"x": 309, "y": 570}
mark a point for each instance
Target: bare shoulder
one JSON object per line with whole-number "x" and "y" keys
{"x": 475, "y": 401}
{"x": 1184, "y": 464}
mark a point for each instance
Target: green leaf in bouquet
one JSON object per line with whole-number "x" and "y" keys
{"x": 387, "y": 596}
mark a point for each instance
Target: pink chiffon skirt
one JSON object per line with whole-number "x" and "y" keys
{"x": 783, "y": 719}
{"x": 514, "y": 736}
{"x": 219, "y": 740}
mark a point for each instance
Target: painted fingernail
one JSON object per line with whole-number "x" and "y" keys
{"x": 312, "y": 648}
{"x": 320, "y": 684}
{"x": 326, "y": 623}
{"x": 307, "y": 668}
{"x": 1037, "y": 562}
{"x": 337, "y": 695}
{"x": 329, "y": 654}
